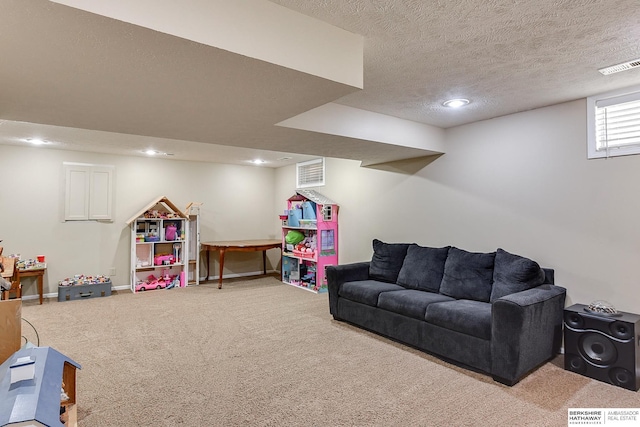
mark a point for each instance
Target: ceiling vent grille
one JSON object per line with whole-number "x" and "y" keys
{"x": 620, "y": 67}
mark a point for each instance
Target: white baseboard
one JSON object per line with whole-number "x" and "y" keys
{"x": 28, "y": 297}
{"x": 235, "y": 275}
{"x": 127, "y": 287}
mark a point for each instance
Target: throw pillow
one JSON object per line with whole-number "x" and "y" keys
{"x": 423, "y": 268}
{"x": 514, "y": 273}
{"x": 468, "y": 275}
{"x": 387, "y": 260}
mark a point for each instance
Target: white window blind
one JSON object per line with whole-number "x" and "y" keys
{"x": 310, "y": 174}
{"x": 614, "y": 125}
{"x": 618, "y": 125}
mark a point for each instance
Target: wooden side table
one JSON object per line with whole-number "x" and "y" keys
{"x": 34, "y": 272}
{"x": 240, "y": 246}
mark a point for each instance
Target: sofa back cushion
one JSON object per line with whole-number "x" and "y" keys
{"x": 468, "y": 275}
{"x": 387, "y": 260}
{"x": 514, "y": 273}
{"x": 423, "y": 268}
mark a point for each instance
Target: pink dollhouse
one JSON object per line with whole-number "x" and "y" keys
{"x": 309, "y": 240}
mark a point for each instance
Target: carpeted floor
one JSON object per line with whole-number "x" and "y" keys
{"x": 261, "y": 353}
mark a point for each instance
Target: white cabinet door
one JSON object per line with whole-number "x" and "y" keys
{"x": 76, "y": 205}
{"x": 88, "y": 192}
{"x": 101, "y": 190}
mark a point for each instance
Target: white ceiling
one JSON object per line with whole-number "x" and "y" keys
{"x": 89, "y": 82}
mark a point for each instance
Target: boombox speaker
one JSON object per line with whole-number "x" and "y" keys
{"x": 603, "y": 347}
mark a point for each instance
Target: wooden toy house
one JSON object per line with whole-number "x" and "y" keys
{"x": 309, "y": 240}
{"x": 38, "y": 388}
{"x": 159, "y": 246}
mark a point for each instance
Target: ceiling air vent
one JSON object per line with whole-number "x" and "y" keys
{"x": 620, "y": 67}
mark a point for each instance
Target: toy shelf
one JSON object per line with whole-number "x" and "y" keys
{"x": 159, "y": 247}
{"x": 193, "y": 232}
{"x": 313, "y": 220}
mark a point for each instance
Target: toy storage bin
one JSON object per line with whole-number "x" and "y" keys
{"x": 93, "y": 290}
{"x": 307, "y": 255}
{"x": 290, "y": 269}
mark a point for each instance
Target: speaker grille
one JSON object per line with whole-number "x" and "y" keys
{"x": 621, "y": 330}
{"x": 575, "y": 363}
{"x": 573, "y": 320}
{"x": 621, "y": 377}
{"x": 598, "y": 349}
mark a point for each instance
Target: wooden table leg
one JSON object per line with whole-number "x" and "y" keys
{"x": 264, "y": 262}
{"x": 41, "y": 286}
{"x": 221, "y": 268}
{"x": 206, "y": 251}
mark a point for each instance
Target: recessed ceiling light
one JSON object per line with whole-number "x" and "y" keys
{"x": 258, "y": 161}
{"x": 36, "y": 141}
{"x": 285, "y": 158}
{"x": 456, "y": 103}
{"x": 151, "y": 152}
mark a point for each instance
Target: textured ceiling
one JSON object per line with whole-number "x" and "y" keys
{"x": 504, "y": 55}
{"x": 66, "y": 73}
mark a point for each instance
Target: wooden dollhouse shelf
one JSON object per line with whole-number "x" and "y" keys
{"x": 314, "y": 227}
{"x": 159, "y": 246}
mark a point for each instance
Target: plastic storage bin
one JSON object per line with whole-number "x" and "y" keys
{"x": 93, "y": 290}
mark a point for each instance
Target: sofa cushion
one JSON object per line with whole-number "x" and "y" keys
{"x": 514, "y": 273}
{"x": 366, "y": 291}
{"x": 423, "y": 268}
{"x": 464, "y": 316}
{"x": 468, "y": 275}
{"x": 387, "y": 260}
{"x": 410, "y": 302}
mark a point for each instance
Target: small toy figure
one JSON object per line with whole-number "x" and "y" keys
{"x": 166, "y": 277}
{"x": 174, "y": 283}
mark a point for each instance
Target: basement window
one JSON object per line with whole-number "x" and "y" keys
{"x": 613, "y": 122}
{"x": 310, "y": 174}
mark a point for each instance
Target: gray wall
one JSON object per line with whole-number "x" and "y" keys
{"x": 236, "y": 200}
{"x": 520, "y": 182}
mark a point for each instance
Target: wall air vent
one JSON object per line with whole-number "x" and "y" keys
{"x": 620, "y": 67}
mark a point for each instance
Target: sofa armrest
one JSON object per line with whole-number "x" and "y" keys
{"x": 339, "y": 274}
{"x": 526, "y": 331}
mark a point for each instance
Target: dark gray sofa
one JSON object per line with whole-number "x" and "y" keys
{"x": 496, "y": 312}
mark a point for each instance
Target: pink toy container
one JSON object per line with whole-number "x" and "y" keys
{"x": 170, "y": 233}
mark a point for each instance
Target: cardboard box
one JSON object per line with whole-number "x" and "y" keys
{"x": 11, "y": 330}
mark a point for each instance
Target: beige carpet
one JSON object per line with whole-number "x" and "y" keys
{"x": 261, "y": 353}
